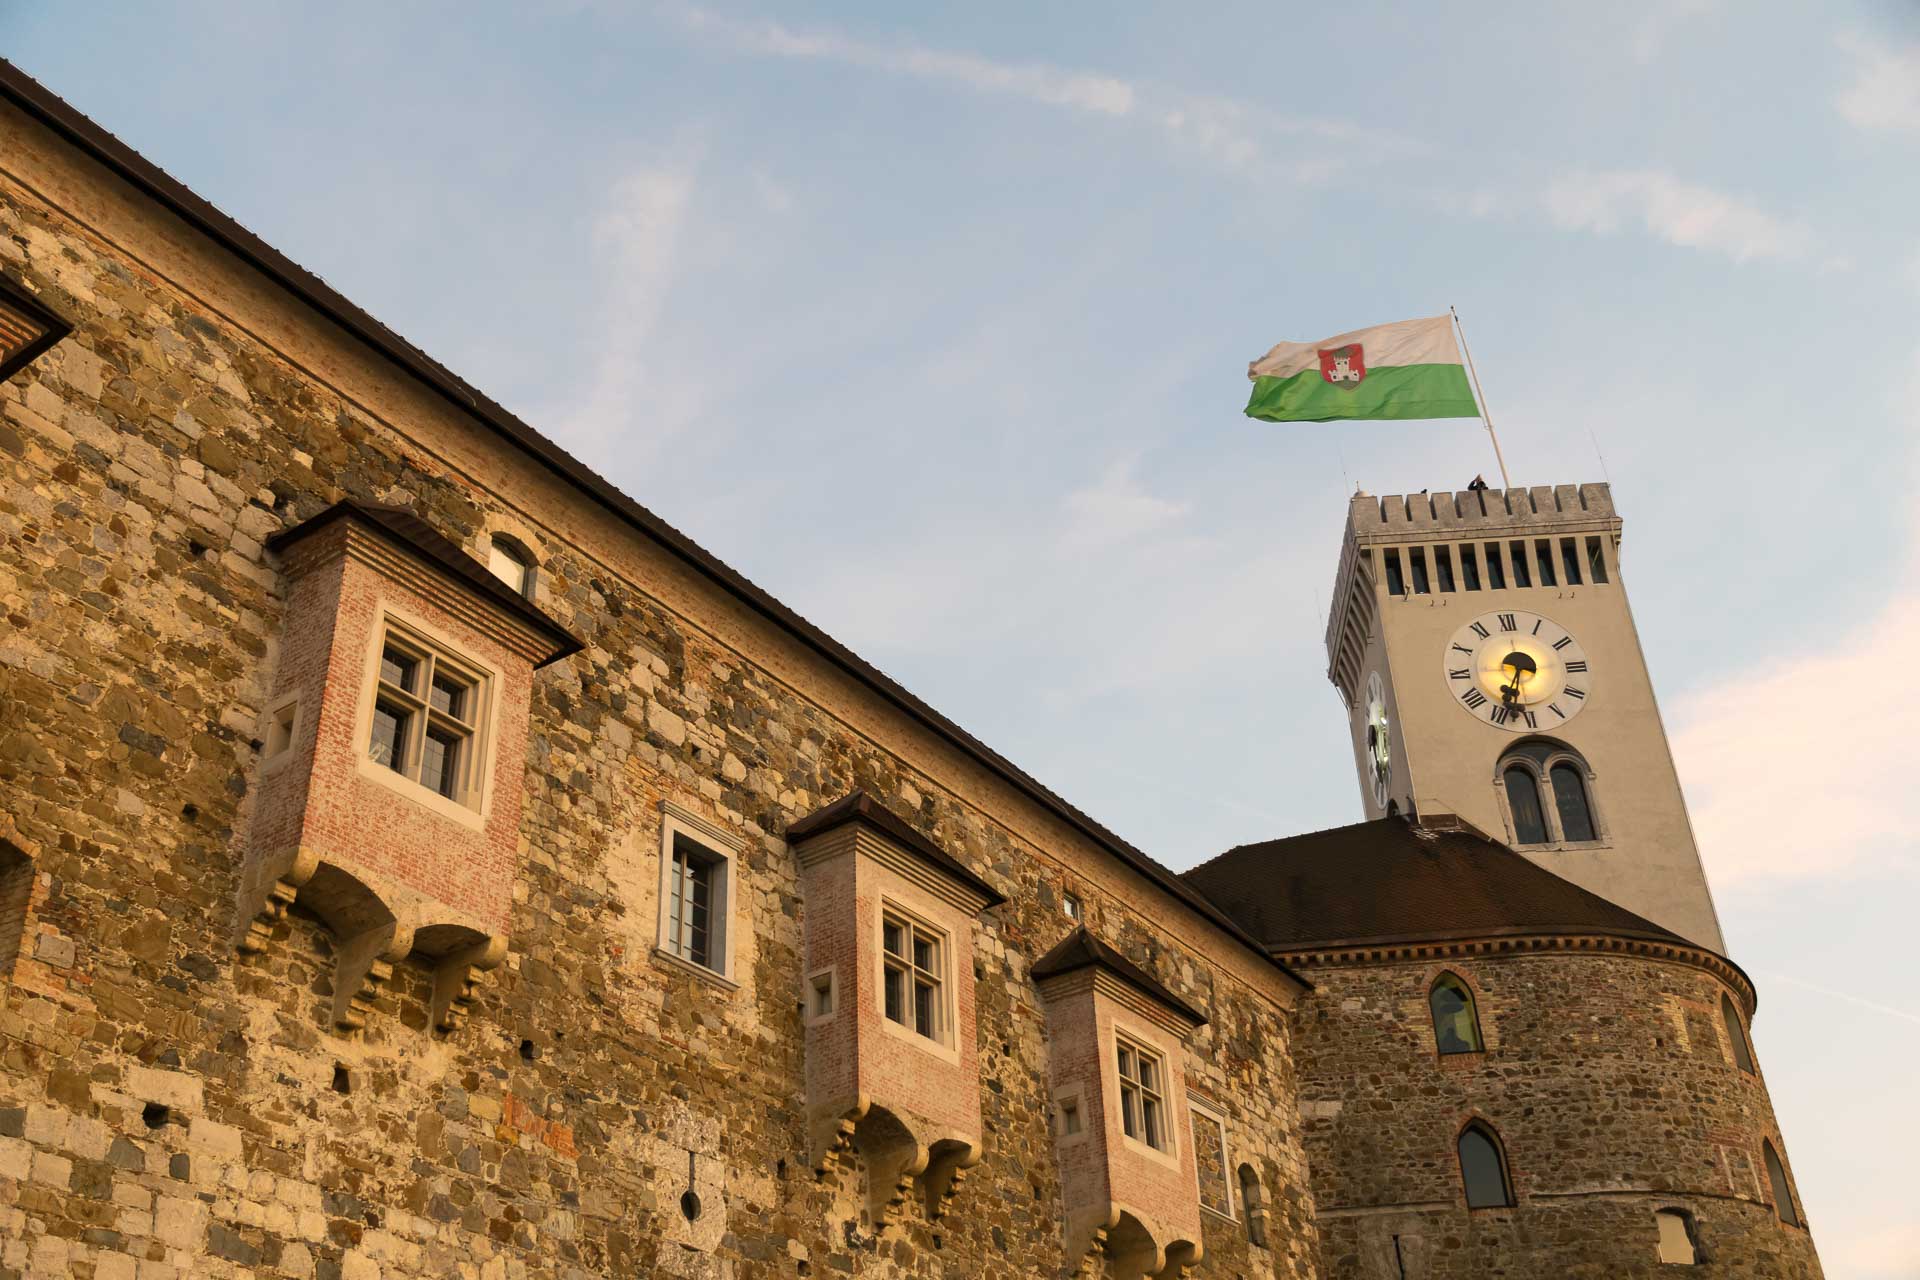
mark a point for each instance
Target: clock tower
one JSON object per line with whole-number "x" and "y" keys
{"x": 1484, "y": 648}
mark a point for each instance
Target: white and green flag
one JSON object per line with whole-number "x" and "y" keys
{"x": 1410, "y": 369}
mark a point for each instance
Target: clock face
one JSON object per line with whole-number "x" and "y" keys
{"x": 1517, "y": 671}
{"x": 1379, "y": 741}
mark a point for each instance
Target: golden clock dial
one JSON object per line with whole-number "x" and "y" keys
{"x": 1517, "y": 671}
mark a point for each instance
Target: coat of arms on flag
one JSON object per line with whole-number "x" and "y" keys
{"x": 1344, "y": 366}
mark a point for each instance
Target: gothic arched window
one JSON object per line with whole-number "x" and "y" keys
{"x": 1523, "y": 799}
{"x": 1483, "y": 1168}
{"x": 1736, "y": 1036}
{"x": 1456, "y": 1023}
{"x": 1570, "y": 797}
{"x": 1777, "y": 1177}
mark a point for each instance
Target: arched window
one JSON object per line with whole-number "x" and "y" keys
{"x": 510, "y": 562}
{"x": 1777, "y": 1177}
{"x": 1677, "y": 1241}
{"x": 1254, "y": 1204}
{"x": 1456, "y": 1023}
{"x": 1570, "y": 797}
{"x": 1736, "y": 1036}
{"x": 1523, "y": 798}
{"x": 1483, "y": 1168}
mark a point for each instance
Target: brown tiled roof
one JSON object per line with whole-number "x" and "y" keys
{"x": 1391, "y": 881}
{"x": 1081, "y": 950}
{"x": 144, "y": 176}
{"x": 402, "y": 527}
{"x": 858, "y": 806}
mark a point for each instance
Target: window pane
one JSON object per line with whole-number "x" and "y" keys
{"x": 1523, "y": 797}
{"x": 1570, "y": 797}
{"x": 1736, "y": 1035}
{"x": 1149, "y": 1074}
{"x": 440, "y": 762}
{"x": 891, "y": 938}
{"x": 1455, "y": 1029}
{"x": 922, "y": 953}
{"x": 699, "y": 895}
{"x": 389, "y": 744}
{"x": 1486, "y": 1181}
{"x": 1782, "y": 1193}
{"x": 397, "y": 669}
{"x": 1150, "y": 1122}
{"x": 448, "y": 695}
{"x": 896, "y": 996}
{"x": 1129, "y": 1109}
{"x": 1496, "y": 574}
{"x": 1126, "y": 1064}
{"x": 923, "y": 1009}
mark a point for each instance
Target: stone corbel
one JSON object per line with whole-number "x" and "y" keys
{"x": 361, "y": 964}
{"x": 830, "y": 1138}
{"x": 267, "y": 889}
{"x": 1132, "y": 1248}
{"x": 456, "y": 976}
{"x": 890, "y": 1175}
{"x": 946, "y": 1170}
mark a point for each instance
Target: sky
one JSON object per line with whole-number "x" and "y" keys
{"x": 934, "y": 322}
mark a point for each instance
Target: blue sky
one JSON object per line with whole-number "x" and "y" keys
{"x": 935, "y": 324}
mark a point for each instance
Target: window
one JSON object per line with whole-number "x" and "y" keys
{"x": 281, "y": 722}
{"x": 1483, "y": 1168}
{"x": 1396, "y": 584}
{"x": 1543, "y": 549}
{"x": 1570, "y": 560}
{"x": 1677, "y": 1243}
{"x": 1210, "y": 1159}
{"x": 509, "y": 562}
{"x": 1570, "y": 798}
{"x": 1143, "y": 1107}
{"x": 1523, "y": 800}
{"x": 1496, "y": 575}
{"x": 1070, "y": 1122}
{"x": 1519, "y": 561}
{"x": 1777, "y": 1178}
{"x": 693, "y": 888}
{"x": 822, "y": 997}
{"x": 1417, "y": 558}
{"x": 1469, "y": 569}
{"x": 911, "y": 983}
{"x": 1456, "y": 1022}
{"x": 1596, "y": 561}
{"x": 16, "y": 898}
{"x": 1443, "y": 567}
{"x": 426, "y": 716}
{"x": 1070, "y": 906}
{"x": 1254, "y": 1204}
{"x": 1736, "y": 1036}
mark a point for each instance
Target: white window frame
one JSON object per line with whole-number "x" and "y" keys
{"x": 1199, "y": 1112}
{"x": 1142, "y": 1049}
{"x": 469, "y": 803}
{"x": 944, "y": 1016}
{"x": 718, "y": 849}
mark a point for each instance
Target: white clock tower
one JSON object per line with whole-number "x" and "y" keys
{"x": 1482, "y": 643}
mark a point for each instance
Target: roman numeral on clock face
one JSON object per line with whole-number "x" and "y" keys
{"x": 1507, "y": 623}
{"x": 1462, "y": 648}
{"x": 1555, "y": 708}
{"x": 1461, "y": 673}
{"x": 1499, "y": 714}
{"x": 1563, "y": 642}
{"x": 1474, "y": 698}
{"x": 1481, "y": 631}
{"x": 1536, "y": 626}
{"x": 1576, "y": 693}
{"x": 1577, "y": 665}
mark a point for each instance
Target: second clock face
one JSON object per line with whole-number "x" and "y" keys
{"x": 1517, "y": 671}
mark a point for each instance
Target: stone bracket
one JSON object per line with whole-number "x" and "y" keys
{"x": 362, "y": 964}
{"x": 456, "y": 977}
{"x": 267, "y": 888}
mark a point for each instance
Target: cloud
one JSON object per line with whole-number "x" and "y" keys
{"x": 1780, "y": 787}
{"x": 1231, "y": 135}
{"x": 1679, "y": 212}
{"x": 1885, "y": 93}
{"x": 1115, "y": 509}
{"x": 1651, "y": 32}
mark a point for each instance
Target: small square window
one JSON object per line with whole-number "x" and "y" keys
{"x": 280, "y": 729}
{"x": 821, "y": 995}
{"x": 1070, "y": 1117}
{"x": 1070, "y": 905}
{"x": 912, "y": 978}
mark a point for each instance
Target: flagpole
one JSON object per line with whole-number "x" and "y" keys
{"x": 1486, "y": 419}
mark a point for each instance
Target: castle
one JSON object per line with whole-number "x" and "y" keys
{"x": 418, "y": 860}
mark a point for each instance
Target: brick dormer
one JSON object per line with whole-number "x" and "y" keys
{"x": 1118, "y": 1040}
{"x": 388, "y": 797}
{"x": 893, "y": 1070}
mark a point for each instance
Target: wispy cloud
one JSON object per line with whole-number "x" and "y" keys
{"x": 1115, "y": 509}
{"x": 1236, "y": 136}
{"x": 1671, "y": 209}
{"x": 1885, "y": 92}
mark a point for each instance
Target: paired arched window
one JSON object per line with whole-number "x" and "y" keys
{"x": 1456, "y": 1023}
{"x": 1547, "y": 795}
{"x": 511, "y": 563}
{"x": 1483, "y": 1168}
{"x": 1736, "y": 1036}
{"x": 1777, "y": 1178}
{"x": 1253, "y": 1203}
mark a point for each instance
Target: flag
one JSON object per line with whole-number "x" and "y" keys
{"x": 1410, "y": 369}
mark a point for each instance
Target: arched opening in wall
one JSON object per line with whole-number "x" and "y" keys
{"x": 511, "y": 562}
{"x": 16, "y": 895}
{"x": 1570, "y": 799}
{"x": 1679, "y": 1240}
{"x": 1548, "y": 792}
{"x": 1736, "y": 1036}
{"x": 1777, "y": 1178}
{"x": 1253, "y": 1203}
{"x": 1523, "y": 803}
{"x": 1456, "y": 1020}
{"x": 1483, "y": 1168}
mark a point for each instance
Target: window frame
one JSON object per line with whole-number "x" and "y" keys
{"x": 511, "y": 548}
{"x": 1554, "y": 755}
{"x": 470, "y": 799}
{"x": 719, "y": 850}
{"x": 944, "y": 1013}
{"x": 1143, "y": 1051}
{"x": 1479, "y": 1042}
{"x": 1199, "y": 1112}
{"x": 1739, "y": 1042}
{"x": 1492, "y": 1137}
{"x": 1780, "y": 1186}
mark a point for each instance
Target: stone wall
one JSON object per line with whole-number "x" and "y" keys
{"x": 1610, "y": 1082}
{"x": 169, "y": 1109}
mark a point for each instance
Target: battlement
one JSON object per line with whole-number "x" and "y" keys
{"x": 1562, "y": 506}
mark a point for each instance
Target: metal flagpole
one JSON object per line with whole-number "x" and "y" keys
{"x": 1485, "y": 417}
